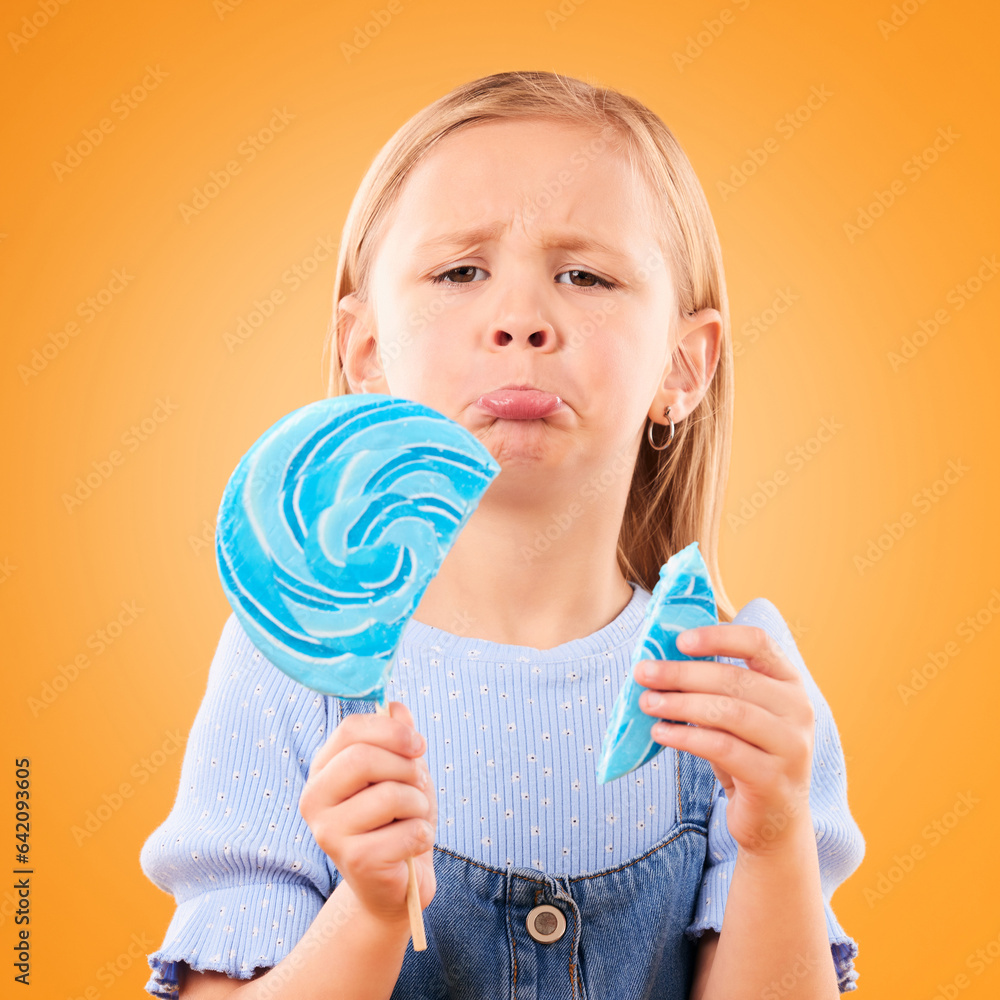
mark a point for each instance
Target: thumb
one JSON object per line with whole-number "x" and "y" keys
{"x": 726, "y": 780}
{"x": 397, "y": 710}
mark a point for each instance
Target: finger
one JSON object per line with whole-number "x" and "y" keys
{"x": 362, "y": 764}
{"x": 721, "y": 679}
{"x": 749, "y": 643}
{"x": 429, "y": 792}
{"x": 378, "y": 805}
{"x": 738, "y": 758}
{"x": 397, "y": 710}
{"x": 392, "y": 733}
{"x": 396, "y": 842}
{"x": 749, "y": 722}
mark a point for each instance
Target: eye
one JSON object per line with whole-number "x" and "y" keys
{"x": 464, "y": 279}
{"x": 440, "y": 278}
{"x": 596, "y": 280}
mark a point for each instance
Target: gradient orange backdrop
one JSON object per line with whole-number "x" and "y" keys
{"x": 887, "y": 80}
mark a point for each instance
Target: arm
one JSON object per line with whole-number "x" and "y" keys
{"x": 707, "y": 945}
{"x": 774, "y": 941}
{"x": 755, "y": 725}
{"x": 346, "y": 953}
{"x": 255, "y": 763}
{"x": 366, "y": 792}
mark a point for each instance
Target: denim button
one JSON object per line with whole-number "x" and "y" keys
{"x": 546, "y": 924}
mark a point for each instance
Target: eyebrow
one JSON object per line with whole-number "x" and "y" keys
{"x": 550, "y": 240}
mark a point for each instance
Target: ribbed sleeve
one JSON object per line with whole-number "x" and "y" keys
{"x": 245, "y": 871}
{"x": 839, "y": 842}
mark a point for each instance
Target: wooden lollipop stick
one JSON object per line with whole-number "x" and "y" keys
{"x": 412, "y": 889}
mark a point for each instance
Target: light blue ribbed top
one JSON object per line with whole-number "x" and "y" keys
{"x": 513, "y": 735}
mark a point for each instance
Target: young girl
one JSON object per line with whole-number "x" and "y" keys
{"x": 533, "y": 257}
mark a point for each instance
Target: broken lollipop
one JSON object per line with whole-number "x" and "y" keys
{"x": 330, "y": 529}
{"x": 682, "y": 598}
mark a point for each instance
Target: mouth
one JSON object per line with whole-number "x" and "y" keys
{"x": 519, "y": 402}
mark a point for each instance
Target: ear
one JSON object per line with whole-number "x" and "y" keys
{"x": 697, "y": 346}
{"x": 357, "y": 344}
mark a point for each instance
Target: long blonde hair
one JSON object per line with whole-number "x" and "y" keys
{"x": 676, "y": 495}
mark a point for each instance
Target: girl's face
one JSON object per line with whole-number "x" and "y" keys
{"x": 522, "y": 253}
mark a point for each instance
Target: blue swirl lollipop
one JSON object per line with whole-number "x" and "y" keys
{"x": 333, "y": 524}
{"x": 682, "y": 598}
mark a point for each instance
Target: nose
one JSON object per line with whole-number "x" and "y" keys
{"x": 522, "y": 300}
{"x": 521, "y": 324}
{"x": 515, "y": 333}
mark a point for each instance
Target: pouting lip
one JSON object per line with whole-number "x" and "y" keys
{"x": 520, "y": 402}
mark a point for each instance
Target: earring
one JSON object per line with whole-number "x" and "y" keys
{"x": 649, "y": 432}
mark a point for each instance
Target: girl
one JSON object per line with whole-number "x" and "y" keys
{"x": 533, "y": 257}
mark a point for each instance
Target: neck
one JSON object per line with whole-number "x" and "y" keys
{"x": 519, "y": 577}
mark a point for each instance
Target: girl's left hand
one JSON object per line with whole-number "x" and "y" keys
{"x": 754, "y": 725}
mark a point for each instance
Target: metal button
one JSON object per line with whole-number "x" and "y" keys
{"x": 546, "y": 923}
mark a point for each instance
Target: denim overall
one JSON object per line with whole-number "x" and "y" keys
{"x": 624, "y": 926}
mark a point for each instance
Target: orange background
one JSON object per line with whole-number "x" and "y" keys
{"x": 160, "y": 340}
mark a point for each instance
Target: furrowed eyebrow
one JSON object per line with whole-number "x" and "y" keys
{"x": 490, "y": 234}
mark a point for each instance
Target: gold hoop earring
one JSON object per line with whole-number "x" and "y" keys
{"x": 649, "y": 433}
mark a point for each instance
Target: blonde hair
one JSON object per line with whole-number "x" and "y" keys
{"x": 676, "y": 495}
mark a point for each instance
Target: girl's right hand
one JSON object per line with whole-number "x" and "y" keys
{"x": 369, "y": 803}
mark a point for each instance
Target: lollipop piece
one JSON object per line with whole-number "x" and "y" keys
{"x": 333, "y": 524}
{"x": 682, "y": 599}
